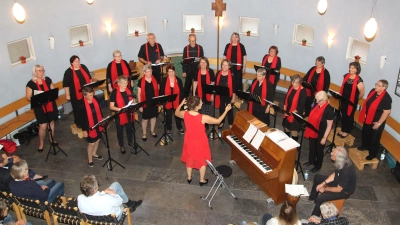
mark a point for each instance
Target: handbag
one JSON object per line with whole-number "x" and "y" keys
{"x": 9, "y": 146}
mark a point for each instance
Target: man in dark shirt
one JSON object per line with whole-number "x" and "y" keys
{"x": 190, "y": 70}
{"x": 152, "y": 53}
{"x": 339, "y": 185}
{"x": 5, "y": 176}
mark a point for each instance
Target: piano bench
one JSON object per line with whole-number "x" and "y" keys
{"x": 224, "y": 170}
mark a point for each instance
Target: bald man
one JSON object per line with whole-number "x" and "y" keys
{"x": 190, "y": 70}
{"x": 152, "y": 53}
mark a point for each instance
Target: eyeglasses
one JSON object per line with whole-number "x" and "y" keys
{"x": 40, "y": 70}
{"x": 376, "y": 84}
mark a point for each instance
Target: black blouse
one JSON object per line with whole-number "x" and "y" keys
{"x": 301, "y": 102}
{"x": 233, "y": 58}
{"x": 68, "y": 80}
{"x": 223, "y": 81}
{"x": 314, "y": 81}
{"x": 348, "y": 87}
{"x": 385, "y": 104}
{"x": 119, "y": 70}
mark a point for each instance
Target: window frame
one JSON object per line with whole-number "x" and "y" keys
{"x": 145, "y": 32}
{"x": 295, "y": 35}
{"x": 32, "y": 55}
{"x": 244, "y": 32}
{"x": 89, "y": 32}
{"x": 200, "y": 17}
{"x": 350, "y": 48}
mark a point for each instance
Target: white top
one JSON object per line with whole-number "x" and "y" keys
{"x": 274, "y": 221}
{"x": 100, "y": 204}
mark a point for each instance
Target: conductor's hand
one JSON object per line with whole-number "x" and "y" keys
{"x": 184, "y": 101}
{"x": 183, "y": 74}
{"x": 141, "y": 109}
{"x": 85, "y": 134}
{"x": 228, "y": 107}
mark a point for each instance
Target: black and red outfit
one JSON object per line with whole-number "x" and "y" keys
{"x": 114, "y": 70}
{"x": 152, "y": 54}
{"x": 265, "y": 91}
{"x": 191, "y": 69}
{"x": 320, "y": 82}
{"x": 92, "y": 117}
{"x": 51, "y": 107}
{"x": 148, "y": 90}
{"x": 222, "y": 101}
{"x": 203, "y": 79}
{"x": 74, "y": 80}
{"x": 274, "y": 71}
{"x": 236, "y": 55}
{"x": 349, "y": 90}
{"x": 125, "y": 119}
{"x": 319, "y": 117}
{"x": 166, "y": 89}
{"x": 371, "y": 112}
{"x": 294, "y": 100}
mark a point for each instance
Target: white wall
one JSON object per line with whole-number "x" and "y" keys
{"x": 343, "y": 19}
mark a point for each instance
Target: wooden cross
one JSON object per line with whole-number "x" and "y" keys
{"x": 218, "y": 6}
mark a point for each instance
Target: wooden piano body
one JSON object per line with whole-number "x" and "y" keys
{"x": 281, "y": 162}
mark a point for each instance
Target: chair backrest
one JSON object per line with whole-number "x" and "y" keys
{"x": 212, "y": 168}
{"x": 65, "y": 214}
{"x": 108, "y": 219}
{"x": 33, "y": 208}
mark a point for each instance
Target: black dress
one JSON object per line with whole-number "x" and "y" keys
{"x": 258, "y": 109}
{"x": 120, "y": 72}
{"x": 348, "y": 121}
{"x": 203, "y": 83}
{"x": 314, "y": 81}
{"x": 275, "y": 74}
{"x": 128, "y": 126}
{"x": 225, "y": 100}
{"x": 238, "y": 72}
{"x": 171, "y": 111}
{"x": 39, "y": 112}
{"x": 295, "y": 125}
{"x": 150, "y": 111}
{"x": 86, "y": 127}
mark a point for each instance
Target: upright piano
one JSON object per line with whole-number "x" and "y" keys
{"x": 270, "y": 167}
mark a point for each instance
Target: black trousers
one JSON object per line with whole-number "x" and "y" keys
{"x": 316, "y": 152}
{"x": 78, "y": 107}
{"x": 347, "y": 121}
{"x": 224, "y": 102}
{"x": 307, "y": 106}
{"x": 188, "y": 84}
{"x": 326, "y": 196}
{"x": 371, "y": 138}
{"x": 238, "y": 78}
{"x": 178, "y": 121}
{"x": 120, "y": 131}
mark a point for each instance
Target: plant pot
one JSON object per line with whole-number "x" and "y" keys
{"x": 23, "y": 61}
{"x": 248, "y": 33}
{"x": 357, "y": 60}
{"x": 136, "y": 34}
{"x": 80, "y": 43}
{"x": 304, "y": 43}
{"x": 192, "y": 31}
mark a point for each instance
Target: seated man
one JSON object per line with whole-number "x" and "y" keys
{"x": 330, "y": 214}
{"x": 96, "y": 203}
{"x": 339, "y": 185}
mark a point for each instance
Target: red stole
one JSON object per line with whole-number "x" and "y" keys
{"x": 372, "y": 108}
{"x": 119, "y": 100}
{"x": 167, "y": 90}
{"x": 143, "y": 89}
{"x": 187, "y": 51}
{"x": 77, "y": 84}
{"x": 200, "y": 87}
{"x": 93, "y": 133}
{"x": 320, "y": 83}
{"x": 147, "y": 51}
{"x": 217, "y": 98}
{"x": 263, "y": 93}
{"x": 238, "y": 54}
{"x": 295, "y": 100}
{"x": 273, "y": 66}
{"x": 315, "y": 119}
{"x": 353, "y": 91}
{"x": 115, "y": 75}
{"x": 49, "y": 105}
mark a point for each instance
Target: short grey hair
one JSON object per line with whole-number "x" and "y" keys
{"x": 328, "y": 210}
{"x": 146, "y": 67}
{"x": 262, "y": 72}
{"x": 342, "y": 158}
{"x": 34, "y": 68}
{"x": 320, "y": 59}
{"x": 385, "y": 83}
{"x": 297, "y": 79}
{"x": 151, "y": 34}
{"x": 116, "y": 51}
{"x": 322, "y": 94}
{"x": 236, "y": 34}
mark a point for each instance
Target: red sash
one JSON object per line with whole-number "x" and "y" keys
{"x": 187, "y": 51}
{"x": 295, "y": 100}
{"x": 200, "y": 87}
{"x": 115, "y": 75}
{"x": 217, "y": 98}
{"x": 49, "y": 105}
{"x": 93, "y": 133}
{"x": 147, "y": 51}
{"x": 372, "y": 108}
{"x": 77, "y": 84}
{"x": 320, "y": 83}
{"x": 167, "y": 90}
{"x": 353, "y": 91}
{"x": 119, "y": 100}
{"x": 143, "y": 89}
{"x": 273, "y": 66}
{"x": 238, "y": 54}
{"x": 315, "y": 119}
{"x": 263, "y": 93}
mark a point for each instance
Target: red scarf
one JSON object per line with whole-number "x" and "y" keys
{"x": 320, "y": 83}
{"x": 115, "y": 75}
{"x": 273, "y": 66}
{"x": 167, "y": 89}
{"x": 77, "y": 84}
{"x": 49, "y": 105}
{"x": 372, "y": 108}
{"x": 147, "y": 51}
{"x": 353, "y": 91}
{"x": 143, "y": 89}
{"x": 230, "y": 85}
{"x": 123, "y": 118}
{"x": 263, "y": 93}
{"x": 93, "y": 133}
{"x": 187, "y": 51}
{"x": 295, "y": 100}
{"x": 315, "y": 120}
{"x": 200, "y": 87}
{"x": 238, "y": 54}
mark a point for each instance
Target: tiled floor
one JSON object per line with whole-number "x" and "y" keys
{"x": 160, "y": 180}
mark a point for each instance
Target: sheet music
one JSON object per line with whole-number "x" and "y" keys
{"x": 89, "y": 84}
{"x": 295, "y": 189}
{"x": 297, "y": 115}
{"x": 236, "y": 64}
{"x": 129, "y": 104}
{"x": 36, "y": 92}
{"x": 258, "y": 139}
{"x": 158, "y": 64}
{"x": 271, "y": 103}
{"x": 281, "y": 139}
{"x": 104, "y": 119}
{"x": 330, "y": 90}
{"x": 251, "y": 131}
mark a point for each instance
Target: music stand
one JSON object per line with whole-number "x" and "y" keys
{"x": 162, "y": 100}
{"x": 215, "y": 90}
{"x": 304, "y": 125}
{"x": 249, "y": 97}
{"x": 309, "y": 86}
{"x": 276, "y": 109}
{"x": 190, "y": 60}
{"x": 338, "y": 96}
{"x": 93, "y": 84}
{"x": 40, "y": 100}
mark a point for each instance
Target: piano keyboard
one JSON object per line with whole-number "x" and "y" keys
{"x": 249, "y": 154}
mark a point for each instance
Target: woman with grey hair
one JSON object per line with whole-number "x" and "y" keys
{"x": 236, "y": 53}
{"x": 116, "y": 68}
{"x": 318, "y": 76}
{"x": 330, "y": 216}
{"x": 40, "y": 83}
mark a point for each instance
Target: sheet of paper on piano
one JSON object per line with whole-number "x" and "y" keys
{"x": 296, "y": 189}
{"x": 251, "y": 131}
{"x": 258, "y": 139}
{"x": 281, "y": 139}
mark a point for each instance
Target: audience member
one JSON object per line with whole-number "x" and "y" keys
{"x": 287, "y": 215}
{"x": 6, "y": 218}
{"x": 330, "y": 216}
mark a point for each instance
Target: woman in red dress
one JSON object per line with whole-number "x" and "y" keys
{"x": 196, "y": 149}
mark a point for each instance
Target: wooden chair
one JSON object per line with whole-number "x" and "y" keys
{"x": 108, "y": 219}
{"x": 11, "y": 204}
{"x": 339, "y": 204}
{"x": 66, "y": 212}
{"x": 33, "y": 208}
